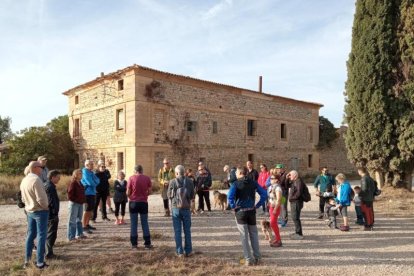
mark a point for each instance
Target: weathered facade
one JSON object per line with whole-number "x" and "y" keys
{"x": 139, "y": 115}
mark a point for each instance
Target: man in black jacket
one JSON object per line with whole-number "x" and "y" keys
{"x": 102, "y": 191}
{"x": 296, "y": 203}
{"x": 53, "y": 220}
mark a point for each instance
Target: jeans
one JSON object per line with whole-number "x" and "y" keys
{"x": 75, "y": 220}
{"x": 140, "y": 208}
{"x": 246, "y": 223}
{"x": 100, "y": 197}
{"x": 36, "y": 223}
{"x": 360, "y": 217}
{"x": 182, "y": 218}
{"x": 52, "y": 228}
{"x": 295, "y": 209}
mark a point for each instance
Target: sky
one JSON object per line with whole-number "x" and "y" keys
{"x": 300, "y": 47}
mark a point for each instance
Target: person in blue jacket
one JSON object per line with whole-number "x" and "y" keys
{"x": 89, "y": 181}
{"x": 241, "y": 197}
{"x": 343, "y": 198}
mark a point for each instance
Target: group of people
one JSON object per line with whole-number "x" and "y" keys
{"x": 178, "y": 189}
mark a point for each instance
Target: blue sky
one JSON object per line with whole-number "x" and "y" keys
{"x": 300, "y": 47}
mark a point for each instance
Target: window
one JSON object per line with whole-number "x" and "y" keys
{"x": 250, "y": 157}
{"x": 309, "y": 160}
{"x": 76, "y": 99}
{"x": 120, "y": 85}
{"x": 76, "y": 128}
{"x": 90, "y": 124}
{"x": 251, "y": 128}
{"x": 310, "y": 134}
{"x": 214, "y": 127}
{"x": 191, "y": 126}
{"x": 283, "y": 131}
{"x": 120, "y": 161}
{"x": 120, "y": 119}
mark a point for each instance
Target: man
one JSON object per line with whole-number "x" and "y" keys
{"x": 323, "y": 183}
{"x": 36, "y": 206}
{"x": 45, "y": 171}
{"x": 251, "y": 173}
{"x": 181, "y": 192}
{"x": 102, "y": 191}
{"x": 284, "y": 184}
{"x": 203, "y": 184}
{"x": 165, "y": 174}
{"x": 231, "y": 177}
{"x": 138, "y": 189}
{"x": 90, "y": 181}
{"x": 366, "y": 195}
{"x": 241, "y": 198}
{"x": 296, "y": 203}
{"x": 53, "y": 221}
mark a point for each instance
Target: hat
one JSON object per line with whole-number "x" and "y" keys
{"x": 41, "y": 158}
{"x": 279, "y": 166}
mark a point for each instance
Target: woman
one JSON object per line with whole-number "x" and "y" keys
{"x": 343, "y": 198}
{"x": 76, "y": 197}
{"x": 263, "y": 176}
{"x": 275, "y": 201}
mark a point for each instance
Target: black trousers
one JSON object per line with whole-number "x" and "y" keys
{"x": 52, "y": 227}
{"x": 100, "y": 197}
{"x": 122, "y": 205}
{"x": 322, "y": 202}
{"x": 203, "y": 195}
{"x": 295, "y": 209}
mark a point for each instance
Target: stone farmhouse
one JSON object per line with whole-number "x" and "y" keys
{"x": 138, "y": 115}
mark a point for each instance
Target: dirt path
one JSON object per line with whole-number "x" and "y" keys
{"x": 388, "y": 249}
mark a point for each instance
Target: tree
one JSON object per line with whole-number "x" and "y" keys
{"x": 5, "y": 130}
{"x": 370, "y": 81}
{"x": 53, "y": 140}
{"x": 378, "y": 100}
{"x": 327, "y": 133}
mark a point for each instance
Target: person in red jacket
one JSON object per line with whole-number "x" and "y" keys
{"x": 76, "y": 197}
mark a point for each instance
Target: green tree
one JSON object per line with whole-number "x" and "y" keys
{"x": 327, "y": 133}
{"x": 371, "y": 78}
{"x": 53, "y": 140}
{"x": 5, "y": 130}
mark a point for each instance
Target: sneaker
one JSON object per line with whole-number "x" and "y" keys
{"x": 249, "y": 263}
{"x": 296, "y": 237}
{"x": 189, "y": 254}
{"x": 275, "y": 243}
{"x": 106, "y": 219}
{"x": 90, "y": 227}
{"x": 179, "y": 255}
{"x": 87, "y": 230}
{"x": 283, "y": 224}
{"x": 134, "y": 247}
{"x": 320, "y": 216}
{"x": 81, "y": 237}
{"x": 148, "y": 247}
{"x": 43, "y": 266}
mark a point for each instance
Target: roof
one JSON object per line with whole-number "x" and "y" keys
{"x": 138, "y": 68}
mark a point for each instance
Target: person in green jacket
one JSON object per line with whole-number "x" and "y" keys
{"x": 323, "y": 183}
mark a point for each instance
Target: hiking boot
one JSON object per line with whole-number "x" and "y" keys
{"x": 320, "y": 216}
{"x": 43, "y": 266}
{"x": 296, "y": 237}
{"x": 51, "y": 257}
{"x": 148, "y": 247}
{"x": 179, "y": 255}
{"x": 87, "y": 230}
{"x": 81, "y": 237}
{"x": 189, "y": 254}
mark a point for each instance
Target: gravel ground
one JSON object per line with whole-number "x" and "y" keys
{"x": 389, "y": 249}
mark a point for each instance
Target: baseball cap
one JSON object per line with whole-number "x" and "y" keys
{"x": 279, "y": 166}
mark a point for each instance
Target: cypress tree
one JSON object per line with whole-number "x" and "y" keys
{"x": 369, "y": 87}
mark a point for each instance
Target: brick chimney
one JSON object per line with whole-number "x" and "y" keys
{"x": 102, "y": 74}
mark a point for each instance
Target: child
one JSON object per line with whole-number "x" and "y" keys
{"x": 275, "y": 201}
{"x": 332, "y": 211}
{"x": 357, "y": 202}
{"x": 120, "y": 197}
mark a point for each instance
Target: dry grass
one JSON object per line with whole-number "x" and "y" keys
{"x": 160, "y": 261}
{"x": 395, "y": 201}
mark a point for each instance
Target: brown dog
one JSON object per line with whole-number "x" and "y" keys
{"x": 267, "y": 231}
{"x": 220, "y": 200}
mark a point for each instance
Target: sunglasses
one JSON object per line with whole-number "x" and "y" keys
{"x": 166, "y": 163}
{"x": 272, "y": 178}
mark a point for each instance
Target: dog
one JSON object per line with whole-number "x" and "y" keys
{"x": 220, "y": 200}
{"x": 267, "y": 231}
{"x": 192, "y": 207}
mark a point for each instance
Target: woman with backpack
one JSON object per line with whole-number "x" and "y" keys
{"x": 343, "y": 198}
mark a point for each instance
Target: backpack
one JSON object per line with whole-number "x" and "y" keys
{"x": 20, "y": 202}
{"x": 182, "y": 194}
{"x": 377, "y": 191}
{"x": 306, "y": 197}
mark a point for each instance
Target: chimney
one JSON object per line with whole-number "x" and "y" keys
{"x": 102, "y": 74}
{"x": 260, "y": 84}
